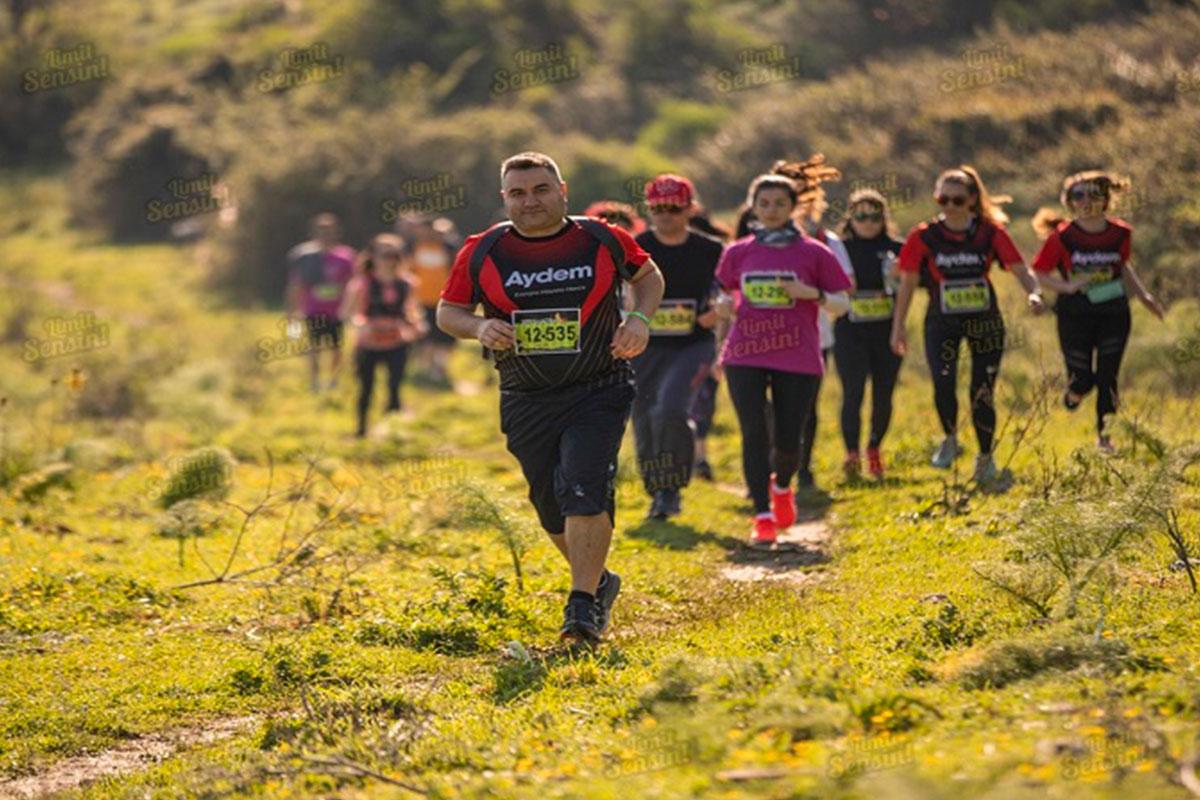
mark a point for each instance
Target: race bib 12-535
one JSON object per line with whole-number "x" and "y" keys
{"x": 546, "y": 331}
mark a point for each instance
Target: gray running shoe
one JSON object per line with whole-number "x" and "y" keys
{"x": 946, "y": 453}
{"x": 985, "y": 469}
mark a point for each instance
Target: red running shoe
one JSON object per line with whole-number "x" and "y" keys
{"x": 764, "y": 531}
{"x": 783, "y": 505}
{"x": 851, "y": 466}
{"x": 875, "y": 463}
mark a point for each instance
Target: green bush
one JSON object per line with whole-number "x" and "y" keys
{"x": 205, "y": 472}
{"x": 355, "y": 165}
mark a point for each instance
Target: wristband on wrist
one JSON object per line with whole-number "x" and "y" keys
{"x": 640, "y": 316}
{"x": 820, "y": 295}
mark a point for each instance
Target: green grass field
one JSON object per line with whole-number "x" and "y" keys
{"x": 371, "y": 587}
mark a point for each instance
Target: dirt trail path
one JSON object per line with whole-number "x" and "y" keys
{"x": 132, "y": 756}
{"x": 804, "y": 544}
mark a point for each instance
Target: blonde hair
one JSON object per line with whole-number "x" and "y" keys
{"x": 808, "y": 176}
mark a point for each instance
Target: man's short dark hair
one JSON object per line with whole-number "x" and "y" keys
{"x": 530, "y": 160}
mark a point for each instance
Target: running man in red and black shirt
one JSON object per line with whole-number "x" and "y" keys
{"x": 1086, "y": 261}
{"x": 951, "y": 256}
{"x": 549, "y": 287}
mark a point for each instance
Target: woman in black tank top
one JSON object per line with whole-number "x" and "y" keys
{"x": 383, "y": 308}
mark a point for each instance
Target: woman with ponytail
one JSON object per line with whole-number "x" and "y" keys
{"x": 952, "y": 255}
{"x": 1085, "y": 260}
{"x": 811, "y": 205}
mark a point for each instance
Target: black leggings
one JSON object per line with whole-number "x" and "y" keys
{"x": 792, "y": 396}
{"x": 862, "y": 350}
{"x": 1092, "y": 345}
{"x": 365, "y": 362}
{"x": 985, "y": 339}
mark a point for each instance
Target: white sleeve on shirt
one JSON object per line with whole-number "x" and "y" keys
{"x": 839, "y": 250}
{"x": 824, "y": 322}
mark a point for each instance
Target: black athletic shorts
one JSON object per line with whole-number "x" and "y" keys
{"x": 566, "y": 441}
{"x": 324, "y": 331}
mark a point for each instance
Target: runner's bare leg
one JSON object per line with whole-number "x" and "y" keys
{"x": 588, "y": 538}
{"x": 560, "y": 541}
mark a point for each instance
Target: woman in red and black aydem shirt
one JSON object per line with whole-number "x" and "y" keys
{"x": 549, "y": 287}
{"x": 951, "y": 256}
{"x": 1086, "y": 260}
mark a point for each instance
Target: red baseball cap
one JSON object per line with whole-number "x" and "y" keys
{"x": 670, "y": 190}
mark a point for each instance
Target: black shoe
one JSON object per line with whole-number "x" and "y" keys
{"x": 606, "y": 593}
{"x": 703, "y": 471}
{"x": 579, "y": 621}
{"x": 670, "y": 503}
{"x": 1068, "y": 403}
{"x": 657, "y": 507}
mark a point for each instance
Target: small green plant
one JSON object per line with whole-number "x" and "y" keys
{"x": 949, "y": 628}
{"x": 187, "y": 519}
{"x": 1071, "y": 541}
{"x": 481, "y": 507}
{"x": 205, "y": 472}
{"x": 33, "y": 486}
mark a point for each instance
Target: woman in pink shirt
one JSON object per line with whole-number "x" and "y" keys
{"x": 779, "y": 278}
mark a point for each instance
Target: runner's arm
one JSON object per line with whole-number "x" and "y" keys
{"x": 904, "y": 295}
{"x": 836, "y": 304}
{"x": 1056, "y": 282}
{"x": 1029, "y": 282}
{"x": 1134, "y": 286}
{"x": 460, "y": 321}
{"x": 414, "y": 315}
{"x": 646, "y": 289}
{"x": 292, "y": 294}
{"x": 350, "y": 301}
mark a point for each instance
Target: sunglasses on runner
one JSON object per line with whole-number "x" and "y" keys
{"x": 666, "y": 209}
{"x": 389, "y": 253}
{"x": 958, "y": 200}
{"x": 1086, "y": 193}
{"x": 867, "y": 216}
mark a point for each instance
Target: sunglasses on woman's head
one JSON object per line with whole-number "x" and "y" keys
{"x": 867, "y": 216}
{"x": 666, "y": 209}
{"x": 958, "y": 200}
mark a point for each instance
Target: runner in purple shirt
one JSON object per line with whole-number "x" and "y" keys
{"x": 318, "y": 272}
{"x": 780, "y": 278}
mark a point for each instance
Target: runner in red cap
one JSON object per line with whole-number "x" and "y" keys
{"x": 548, "y": 284}
{"x": 672, "y": 368}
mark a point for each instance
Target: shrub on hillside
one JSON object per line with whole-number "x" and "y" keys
{"x": 141, "y": 138}
{"x": 366, "y": 168}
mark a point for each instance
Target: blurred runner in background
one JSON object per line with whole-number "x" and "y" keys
{"x": 433, "y": 249}
{"x": 318, "y": 271}
{"x": 382, "y": 306}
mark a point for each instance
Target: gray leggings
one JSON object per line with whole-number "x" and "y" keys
{"x": 667, "y": 377}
